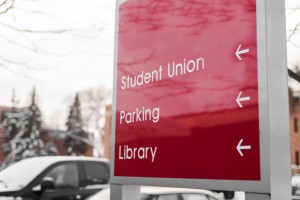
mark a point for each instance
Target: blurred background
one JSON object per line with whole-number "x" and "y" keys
{"x": 56, "y": 77}
{"x": 56, "y": 65}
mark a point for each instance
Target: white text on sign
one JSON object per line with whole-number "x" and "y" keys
{"x": 174, "y": 69}
{"x": 139, "y": 115}
{"x": 128, "y": 153}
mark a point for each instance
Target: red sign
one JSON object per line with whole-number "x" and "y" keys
{"x": 187, "y": 90}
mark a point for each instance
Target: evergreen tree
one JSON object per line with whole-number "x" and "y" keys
{"x": 50, "y": 149}
{"x": 11, "y": 126}
{"x": 27, "y": 142}
{"x": 23, "y": 132}
{"x": 10, "y": 120}
{"x": 74, "y": 119}
{"x": 75, "y": 142}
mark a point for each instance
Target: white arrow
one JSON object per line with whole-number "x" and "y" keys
{"x": 239, "y": 52}
{"x": 239, "y": 99}
{"x": 239, "y": 147}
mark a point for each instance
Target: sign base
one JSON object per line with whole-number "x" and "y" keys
{"x": 257, "y": 196}
{"x": 124, "y": 192}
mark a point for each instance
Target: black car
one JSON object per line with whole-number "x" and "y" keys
{"x": 54, "y": 178}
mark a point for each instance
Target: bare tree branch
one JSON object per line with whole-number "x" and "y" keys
{"x": 36, "y": 31}
{"x": 293, "y": 31}
{"x": 293, "y": 75}
{"x": 29, "y": 39}
{"x": 6, "y": 5}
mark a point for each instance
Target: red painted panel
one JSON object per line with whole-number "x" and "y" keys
{"x": 187, "y": 90}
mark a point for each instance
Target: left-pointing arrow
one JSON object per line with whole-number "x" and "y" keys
{"x": 239, "y": 147}
{"x": 238, "y": 52}
{"x": 240, "y": 99}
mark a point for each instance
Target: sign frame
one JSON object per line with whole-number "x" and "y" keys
{"x": 269, "y": 99}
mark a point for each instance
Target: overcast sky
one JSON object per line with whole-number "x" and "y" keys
{"x": 60, "y": 64}
{"x": 57, "y": 64}
{"x": 293, "y": 19}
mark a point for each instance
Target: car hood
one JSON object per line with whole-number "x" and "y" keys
{"x": 8, "y": 188}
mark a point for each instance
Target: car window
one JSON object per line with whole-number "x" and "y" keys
{"x": 168, "y": 197}
{"x": 194, "y": 197}
{"x": 96, "y": 173}
{"x": 64, "y": 176}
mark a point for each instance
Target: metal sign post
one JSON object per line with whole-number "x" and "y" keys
{"x": 124, "y": 192}
{"x": 280, "y": 172}
{"x": 200, "y": 97}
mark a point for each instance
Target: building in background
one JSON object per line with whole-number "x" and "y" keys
{"x": 295, "y": 132}
{"x": 107, "y": 131}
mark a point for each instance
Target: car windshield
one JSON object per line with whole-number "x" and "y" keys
{"x": 21, "y": 173}
{"x": 296, "y": 180}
